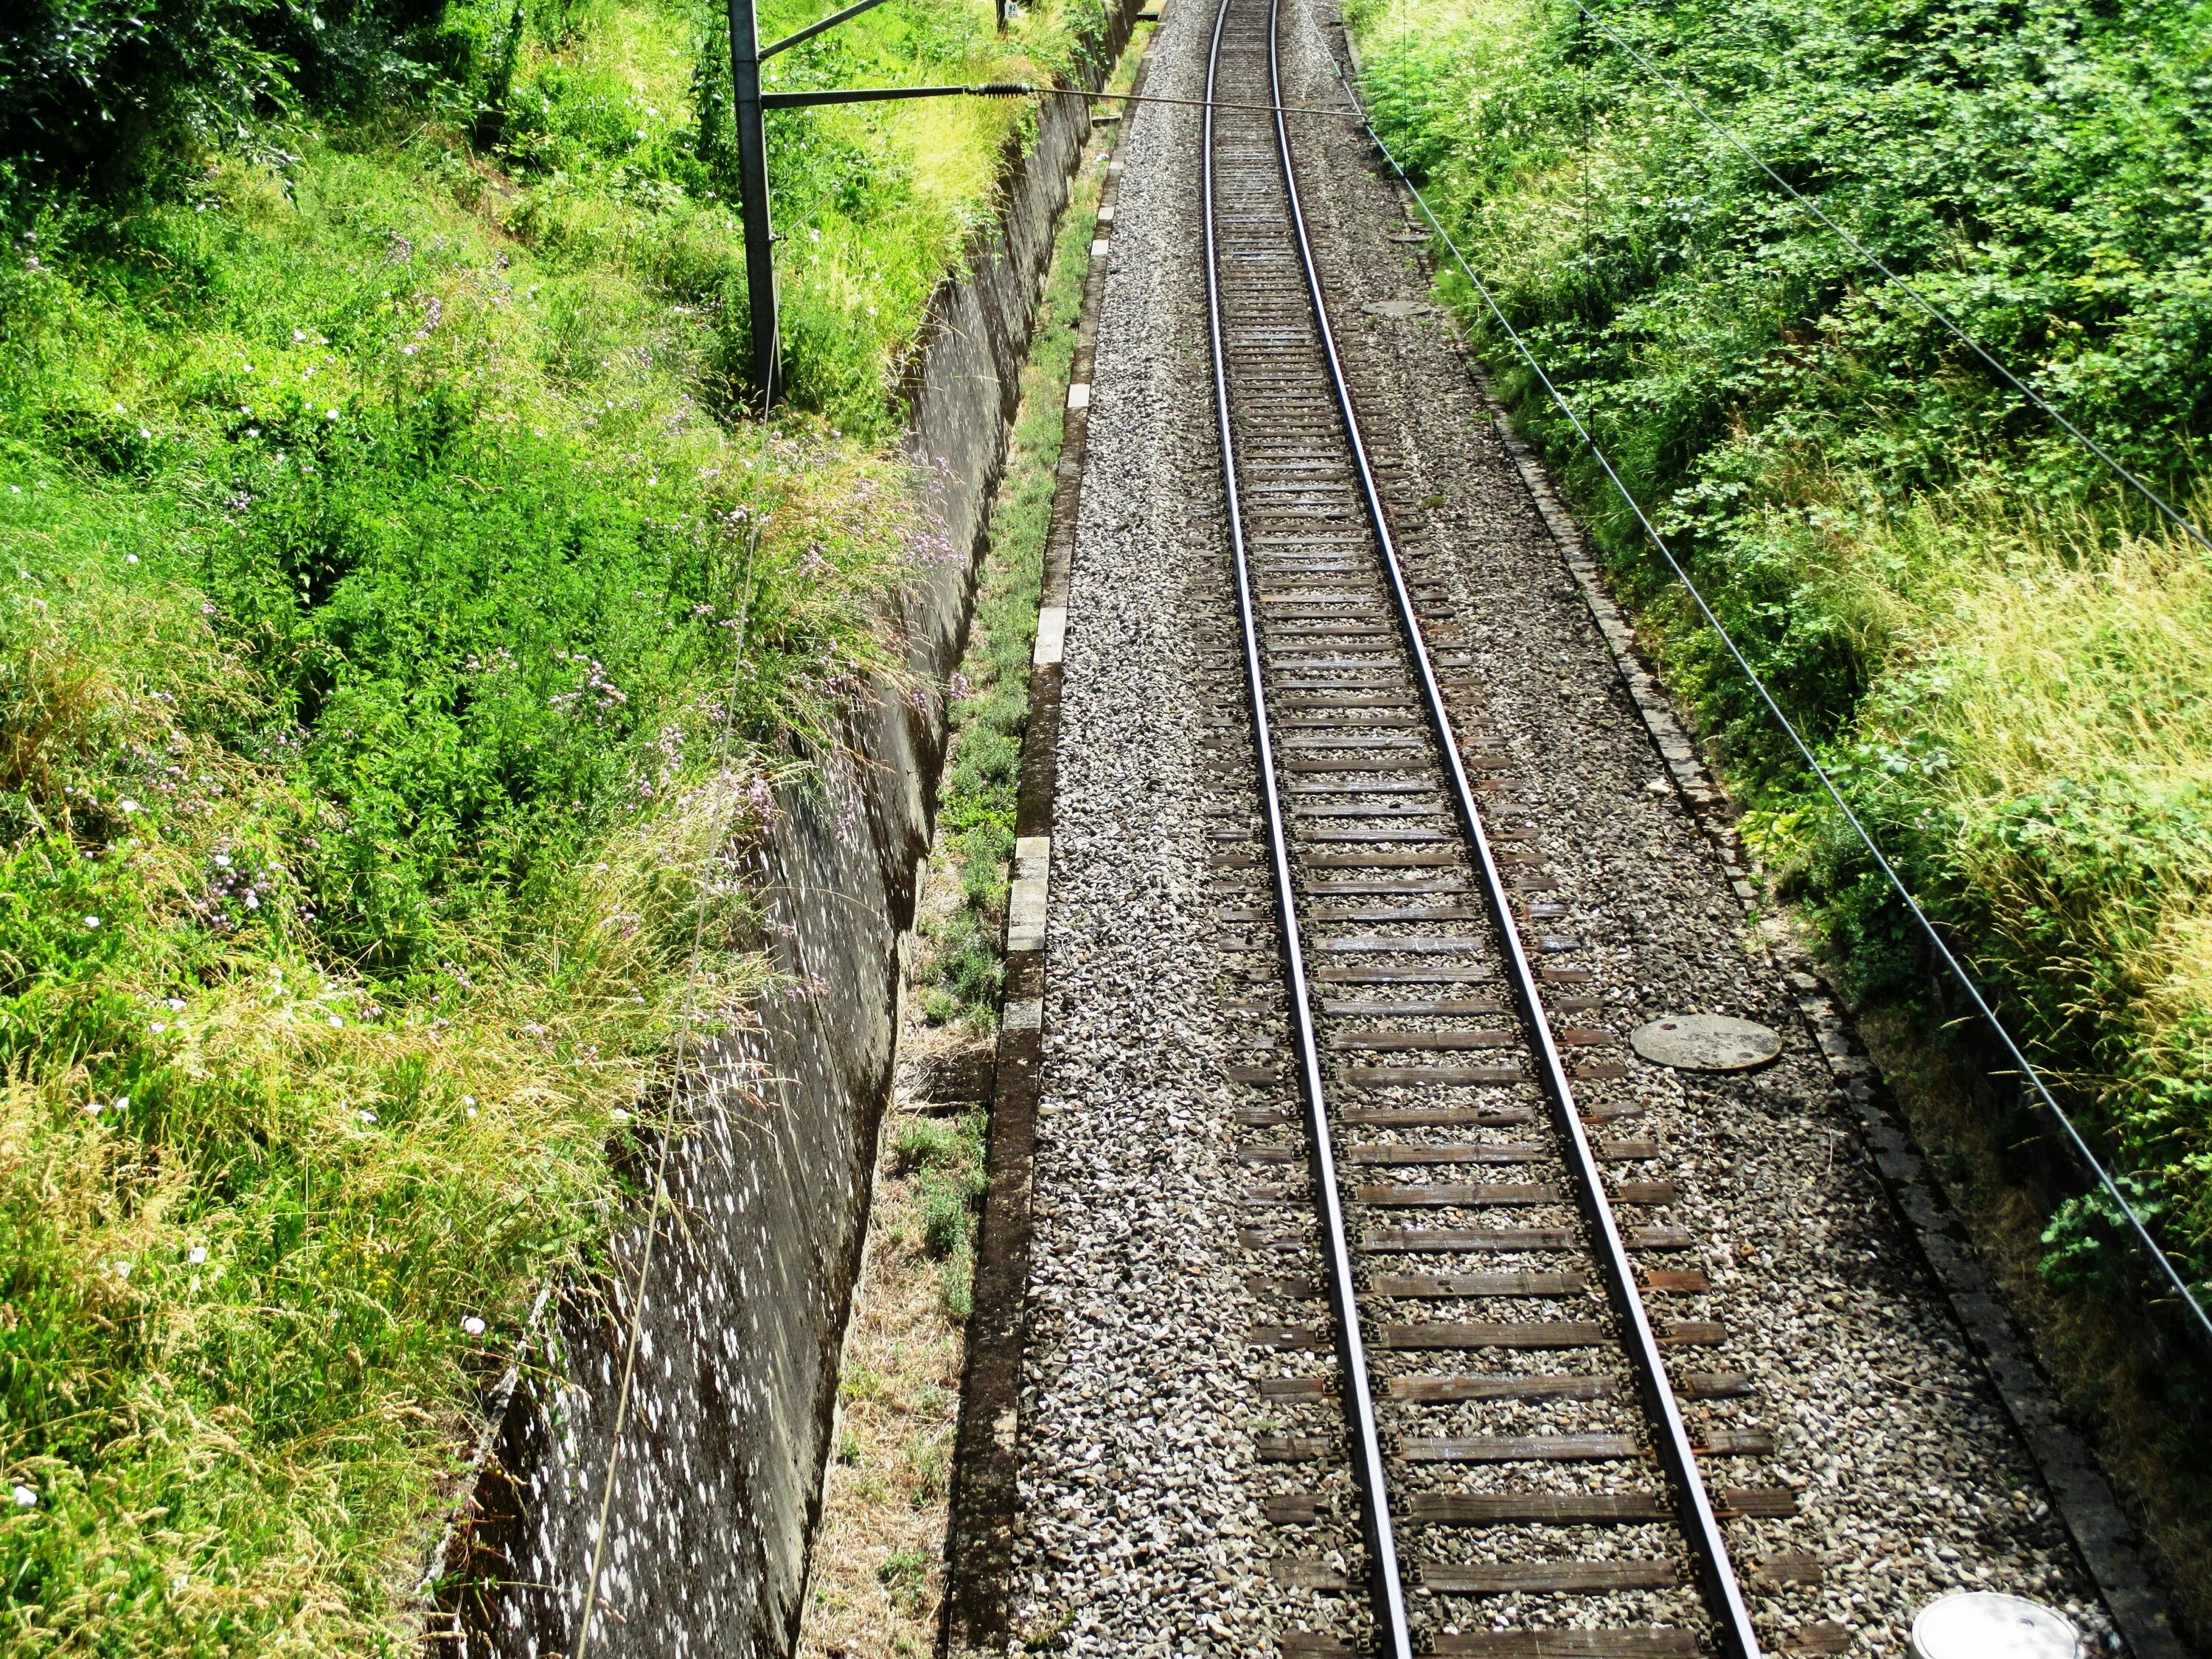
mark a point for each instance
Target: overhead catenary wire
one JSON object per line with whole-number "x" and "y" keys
{"x": 2148, "y": 1246}
{"x": 2119, "y": 469}
{"x": 1024, "y": 89}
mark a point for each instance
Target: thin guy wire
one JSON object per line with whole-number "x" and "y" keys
{"x": 1196, "y": 103}
{"x": 2134, "y": 1222}
{"x": 2172, "y": 514}
{"x": 1023, "y": 89}
{"x": 660, "y": 1167}
{"x": 799, "y": 37}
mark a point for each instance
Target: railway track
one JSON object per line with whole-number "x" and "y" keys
{"x": 1455, "y": 1232}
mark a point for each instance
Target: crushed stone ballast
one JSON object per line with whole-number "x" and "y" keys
{"x": 1158, "y": 1399}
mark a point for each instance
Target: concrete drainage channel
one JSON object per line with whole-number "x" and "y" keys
{"x": 930, "y": 1346}
{"x": 716, "y": 1458}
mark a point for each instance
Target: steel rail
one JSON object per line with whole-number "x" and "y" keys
{"x": 1708, "y": 1547}
{"x": 1388, "y": 1587}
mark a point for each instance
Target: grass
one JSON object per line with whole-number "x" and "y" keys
{"x": 1999, "y": 654}
{"x": 2049, "y": 721}
{"x": 990, "y": 710}
{"x": 1990, "y": 645}
{"x": 388, "y": 557}
{"x": 944, "y": 1162}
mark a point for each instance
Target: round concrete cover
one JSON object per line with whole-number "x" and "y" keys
{"x": 1705, "y": 1042}
{"x": 1984, "y": 1625}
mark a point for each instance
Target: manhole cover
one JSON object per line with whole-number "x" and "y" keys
{"x": 1984, "y": 1624}
{"x": 1398, "y": 310}
{"x": 1705, "y": 1042}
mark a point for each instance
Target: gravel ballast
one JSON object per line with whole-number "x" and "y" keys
{"x": 1140, "y": 1528}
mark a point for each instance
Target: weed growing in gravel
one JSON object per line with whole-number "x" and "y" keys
{"x": 2000, "y": 656}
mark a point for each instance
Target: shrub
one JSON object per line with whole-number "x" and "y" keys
{"x": 104, "y": 92}
{"x": 1976, "y": 629}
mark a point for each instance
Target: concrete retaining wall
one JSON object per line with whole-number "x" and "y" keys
{"x": 717, "y": 1483}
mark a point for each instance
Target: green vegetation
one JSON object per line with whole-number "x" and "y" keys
{"x": 905, "y": 1574}
{"x": 403, "y": 628}
{"x": 1999, "y": 655}
{"x": 946, "y": 1161}
{"x": 982, "y": 772}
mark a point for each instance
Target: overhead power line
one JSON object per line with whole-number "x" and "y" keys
{"x": 1024, "y": 89}
{"x": 2126, "y": 475}
{"x": 2164, "y": 1268}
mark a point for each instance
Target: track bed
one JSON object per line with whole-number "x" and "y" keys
{"x": 1363, "y": 869}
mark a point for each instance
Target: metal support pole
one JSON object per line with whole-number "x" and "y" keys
{"x": 752, "y": 191}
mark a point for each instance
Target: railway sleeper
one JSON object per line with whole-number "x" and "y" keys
{"x": 1630, "y": 1642}
{"x": 1566, "y": 1577}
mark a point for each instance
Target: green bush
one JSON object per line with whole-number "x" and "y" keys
{"x": 405, "y": 633}
{"x": 1990, "y": 643}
